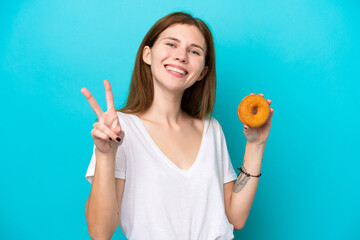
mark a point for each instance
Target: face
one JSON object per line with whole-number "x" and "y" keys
{"x": 177, "y": 58}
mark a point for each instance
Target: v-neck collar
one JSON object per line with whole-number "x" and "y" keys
{"x": 167, "y": 160}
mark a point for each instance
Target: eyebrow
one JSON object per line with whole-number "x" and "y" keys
{"x": 177, "y": 40}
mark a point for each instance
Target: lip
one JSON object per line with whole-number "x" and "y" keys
{"x": 177, "y": 66}
{"x": 178, "y": 75}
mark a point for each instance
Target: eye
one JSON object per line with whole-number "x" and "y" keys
{"x": 195, "y": 52}
{"x": 170, "y": 44}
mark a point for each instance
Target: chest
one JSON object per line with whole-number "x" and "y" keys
{"x": 180, "y": 147}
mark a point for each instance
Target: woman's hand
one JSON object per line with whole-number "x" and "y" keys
{"x": 259, "y": 135}
{"x": 107, "y": 134}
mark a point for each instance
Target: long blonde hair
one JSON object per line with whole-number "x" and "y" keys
{"x": 199, "y": 99}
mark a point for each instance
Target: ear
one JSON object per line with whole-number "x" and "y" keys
{"x": 147, "y": 55}
{"x": 203, "y": 73}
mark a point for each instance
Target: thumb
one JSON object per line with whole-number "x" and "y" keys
{"x": 117, "y": 130}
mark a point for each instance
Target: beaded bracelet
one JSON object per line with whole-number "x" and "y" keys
{"x": 248, "y": 174}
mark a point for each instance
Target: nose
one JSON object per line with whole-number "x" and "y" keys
{"x": 181, "y": 55}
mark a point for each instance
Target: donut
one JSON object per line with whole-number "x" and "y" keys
{"x": 253, "y": 110}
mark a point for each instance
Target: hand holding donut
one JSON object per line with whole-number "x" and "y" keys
{"x": 256, "y": 115}
{"x": 107, "y": 134}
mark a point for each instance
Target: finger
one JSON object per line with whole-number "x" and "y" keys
{"x": 251, "y": 93}
{"x": 100, "y": 126}
{"x": 98, "y": 134}
{"x": 109, "y": 95}
{"x": 269, "y": 101}
{"x": 115, "y": 126}
{"x": 121, "y": 137}
{"x": 270, "y": 116}
{"x": 261, "y": 94}
{"x": 93, "y": 104}
{"x": 117, "y": 130}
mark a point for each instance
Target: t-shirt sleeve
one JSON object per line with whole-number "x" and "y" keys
{"x": 120, "y": 164}
{"x": 229, "y": 172}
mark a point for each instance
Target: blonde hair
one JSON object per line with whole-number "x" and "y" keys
{"x": 199, "y": 99}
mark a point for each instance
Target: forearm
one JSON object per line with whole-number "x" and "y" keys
{"x": 102, "y": 214}
{"x": 245, "y": 187}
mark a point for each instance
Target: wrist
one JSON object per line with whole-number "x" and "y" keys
{"x": 111, "y": 153}
{"x": 254, "y": 152}
{"x": 256, "y": 145}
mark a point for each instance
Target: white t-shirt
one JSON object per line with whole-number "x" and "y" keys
{"x": 160, "y": 200}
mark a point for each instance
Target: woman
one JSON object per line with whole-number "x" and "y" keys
{"x": 160, "y": 166}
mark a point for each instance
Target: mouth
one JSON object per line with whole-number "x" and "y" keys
{"x": 175, "y": 71}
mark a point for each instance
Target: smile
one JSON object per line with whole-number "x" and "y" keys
{"x": 175, "y": 71}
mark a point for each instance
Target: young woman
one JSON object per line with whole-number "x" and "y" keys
{"x": 160, "y": 166}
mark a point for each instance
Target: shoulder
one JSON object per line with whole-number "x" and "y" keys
{"x": 122, "y": 115}
{"x": 214, "y": 123}
{"x": 126, "y": 119}
{"x": 213, "y": 127}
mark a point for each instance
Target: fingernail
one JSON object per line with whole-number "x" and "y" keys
{"x": 118, "y": 139}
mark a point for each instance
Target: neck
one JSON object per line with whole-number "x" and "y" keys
{"x": 165, "y": 108}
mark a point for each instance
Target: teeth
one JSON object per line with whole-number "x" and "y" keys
{"x": 175, "y": 70}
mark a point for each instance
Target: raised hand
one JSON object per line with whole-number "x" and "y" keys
{"x": 107, "y": 134}
{"x": 259, "y": 135}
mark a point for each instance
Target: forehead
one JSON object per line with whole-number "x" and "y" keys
{"x": 186, "y": 33}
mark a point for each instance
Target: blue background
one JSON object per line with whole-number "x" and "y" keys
{"x": 303, "y": 55}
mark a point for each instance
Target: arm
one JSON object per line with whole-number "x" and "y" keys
{"x": 102, "y": 208}
{"x": 243, "y": 192}
{"x": 240, "y": 200}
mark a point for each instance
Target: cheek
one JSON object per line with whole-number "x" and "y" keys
{"x": 199, "y": 67}
{"x": 160, "y": 55}
{"x": 158, "y": 61}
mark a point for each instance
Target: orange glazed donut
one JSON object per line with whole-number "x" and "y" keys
{"x": 253, "y": 110}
